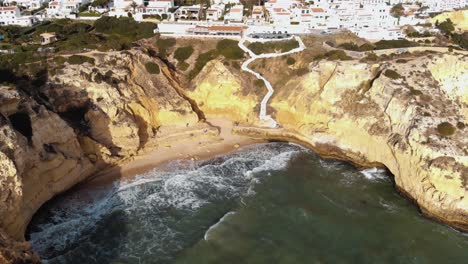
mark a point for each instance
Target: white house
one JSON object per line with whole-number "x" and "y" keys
{"x": 29, "y": 4}
{"x": 64, "y": 8}
{"x": 286, "y": 4}
{"x": 280, "y": 16}
{"x": 156, "y": 7}
{"x": 123, "y": 7}
{"x": 188, "y": 12}
{"x": 11, "y": 15}
{"x": 215, "y": 12}
{"x": 225, "y": 2}
{"x": 235, "y": 14}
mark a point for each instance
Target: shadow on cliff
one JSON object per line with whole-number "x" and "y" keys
{"x": 87, "y": 223}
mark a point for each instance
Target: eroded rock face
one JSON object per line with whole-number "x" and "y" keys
{"x": 82, "y": 120}
{"x": 365, "y": 114}
{"x": 87, "y": 117}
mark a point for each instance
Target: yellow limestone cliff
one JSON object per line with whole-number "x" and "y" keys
{"x": 384, "y": 114}
{"x": 90, "y": 116}
{"x": 84, "y": 118}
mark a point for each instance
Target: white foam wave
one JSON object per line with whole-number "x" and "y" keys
{"x": 374, "y": 173}
{"x": 181, "y": 187}
{"x": 213, "y": 227}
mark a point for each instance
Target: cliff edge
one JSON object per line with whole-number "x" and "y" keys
{"x": 408, "y": 115}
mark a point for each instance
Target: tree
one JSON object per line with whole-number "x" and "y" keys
{"x": 133, "y": 5}
{"x": 397, "y": 10}
{"x": 446, "y": 27}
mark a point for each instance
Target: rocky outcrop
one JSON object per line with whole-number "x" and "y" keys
{"x": 83, "y": 119}
{"x": 384, "y": 114}
{"x": 86, "y": 117}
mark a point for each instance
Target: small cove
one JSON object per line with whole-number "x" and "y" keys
{"x": 266, "y": 203}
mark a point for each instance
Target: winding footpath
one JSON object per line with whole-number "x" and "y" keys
{"x": 263, "y": 105}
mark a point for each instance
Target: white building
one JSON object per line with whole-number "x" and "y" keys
{"x": 155, "y": 7}
{"x": 188, "y": 12}
{"x": 11, "y": 15}
{"x": 29, "y": 4}
{"x": 280, "y": 16}
{"x": 123, "y": 7}
{"x": 225, "y": 2}
{"x": 215, "y": 12}
{"x": 64, "y": 8}
{"x": 235, "y": 14}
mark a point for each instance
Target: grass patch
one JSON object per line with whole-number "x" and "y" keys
{"x": 125, "y": 27}
{"x": 201, "y": 61}
{"x": 301, "y": 71}
{"x": 183, "y": 66}
{"x": 183, "y": 53}
{"x": 394, "y": 44}
{"x": 290, "y": 61}
{"x": 165, "y": 44}
{"x": 333, "y": 55}
{"x": 152, "y": 68}
{"x": 80, "y": 59}
{"x": 355, "y": 47}
{"x": 229, "y": 49}
{"x": 446, "y": 129}
{"x": 273, "y": 46}
{"x": 392, "y": 74}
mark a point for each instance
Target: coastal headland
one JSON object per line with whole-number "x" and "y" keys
{"x": 98, "y": 116}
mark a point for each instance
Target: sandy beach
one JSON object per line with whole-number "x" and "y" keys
{"x": 196, "y": 149}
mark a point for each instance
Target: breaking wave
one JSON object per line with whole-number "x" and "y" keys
{"x": 155, "y": 202}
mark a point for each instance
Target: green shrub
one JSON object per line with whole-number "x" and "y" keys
{"x": 164, "y": 44}
{"x": 301, "y": 71}
{"x": 183, "y": 66}
{"x": 273, "y": 46}
{"x": 80, "y": 59}
{"x": 355, "y": 47}
{"x": 125, "y": 27}
{"x": 446, "y": 27}
{"x": 259, "y": 83}
{"x": 229, "y": 49}
{"x": 59, "y": 60}
{"x": 333, "y": 55}
{"x": 394, "y": 44}
{"x": 446, "y": 129}
{"x": 392, "y": 74}
{"x": 371, "y": 56}
{"x": 290, "y": 61}
{"x": 201, "y": 61}
{"x": 461, "y": 125}
{"x": 183, "y": 53}
{"x": 461, "y": 40}
{"x": 152, "y": 68}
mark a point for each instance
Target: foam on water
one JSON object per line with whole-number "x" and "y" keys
{"x": 213, "y": 227}
{"x": 374, "y": 174}
{"x": 150, "y": 196}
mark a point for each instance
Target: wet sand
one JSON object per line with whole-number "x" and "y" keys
{"x": 196, "y": 149}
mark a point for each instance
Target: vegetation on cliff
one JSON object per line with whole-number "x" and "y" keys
{"x": 273, "y": 46}
{"x": 226, "y": 48}
{"x": 152, "y": 68}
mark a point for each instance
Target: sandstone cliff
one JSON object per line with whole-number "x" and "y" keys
{"x": 387, "y": 114}
{"x": 90, "y": 116}
{"x": 84, "y": 118}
